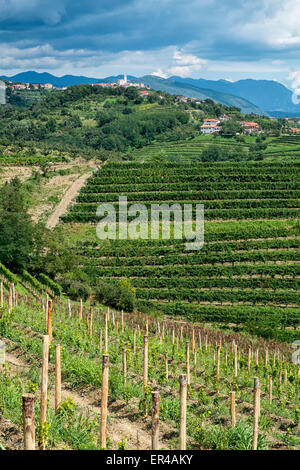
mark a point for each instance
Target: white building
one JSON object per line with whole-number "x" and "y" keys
{"x": 210, "y": 129}
{"x": 123, "y": 82}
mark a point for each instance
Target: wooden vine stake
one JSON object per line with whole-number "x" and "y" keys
{"x": 155, "y": 420}
{"x": 124, "y": 365}
{"x": 145, "y": 362}
{"x": 104, "y": 400}
{"x": 49, "y": 321}
{"x": 69, "y": 308}
{"x": 200, "y": 340}
{"x": 232, "y": 409}
{"x": 183, "y": 396}
{"x": 10, "y": 299}
{"x": 101, "y": 339}
{"x": 122, "y": 321}
{"x": 187, "y": 349}
{"x": 218, "y": 362}
{"x": 193, "y": 341}
{"x": 134, "y": 341}
{"x": 235, "y": 361}
{"x": 57, "y": 377}
{"x": 256, "y": 412}
{"x": 1, "y": 294}
{"x": 167, "y": 365}
{"x": 270, "y": 389}
{"x": 44, "y": 384}
{"x": 106, "y": 333}
{"x": 249, "y": 360}
{"x": 28, "y": 421}
{"x": 91, "y": 323}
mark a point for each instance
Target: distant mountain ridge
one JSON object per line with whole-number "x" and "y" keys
{"x": 252, "y": 96}
{"x": 269, "y": 95}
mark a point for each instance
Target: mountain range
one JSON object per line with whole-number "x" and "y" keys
{"x": 252, "y": 96}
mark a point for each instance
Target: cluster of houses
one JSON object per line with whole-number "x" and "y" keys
{"x": 30, "y": 86}
{"x": 213, "y": 126}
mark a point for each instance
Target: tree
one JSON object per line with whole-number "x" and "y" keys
{"x": 231, "y": 127}
{"x": 21, "y": 241}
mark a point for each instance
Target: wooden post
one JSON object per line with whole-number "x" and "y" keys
{"x": 10, "y": 299}
{"x": 187, "y": 349}
{"x": 256, "y": 357}
{"x": 249, "y": 360}
{"x": 101, "y": 339}
{"x": 91, "y": 323}
{"x": 117, "y": 327}
{"x": 183, "y": 396}
{"x": 44, "y": 383}
{"x": 57, "y": 377}
{"x": 232, "y": 409}
{"x": 256, "y": 412}
{"x": 206, "y": 342}
{"x": 145, "y": 362}
{"x": 270, "y": 389}
{"x": 193, "y": 341}
{"x": 134, "y": 341}
{"x": 235, "y": 361}
{"x": 173, "y": 335}
{"x": 285, "y": 377}
{"x": 124, "y": 365}
{"x": 167, "y": 365}
{"x": 87, "y": 322}
{"x": 28, "y": 421}
{"x": 122, "y": 321}
{"x": 266, "y": 357}
{"x": 106, "y": 333}
{"x": 155, "y": 420}
{"x": 1, "y": 294}
{"x": 218, "y": 362}
{"x": 80, "y": 310}
{"x": 147, "y": 327}
{"x": 69, "y": 308}
{"x": 13, "y": 289}
{"x": 104, "y": 400}
{"x": 200, "y": 340}
{"x": 49, "y": 316}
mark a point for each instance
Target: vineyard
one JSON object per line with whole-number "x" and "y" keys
{"x": 277, "y": 147}
{"x": 248, "y": 271}
{"x": 160, "y": 385}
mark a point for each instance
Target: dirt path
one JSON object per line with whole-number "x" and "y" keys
{"x": 71, "y": 194}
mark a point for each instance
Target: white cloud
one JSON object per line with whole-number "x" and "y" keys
{"x": 294, "y": 78}
{"x": 160, "y": 73}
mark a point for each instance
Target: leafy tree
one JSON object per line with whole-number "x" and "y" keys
{"x": 21, "y": 241}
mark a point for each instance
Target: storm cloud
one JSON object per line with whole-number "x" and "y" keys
{"x": 194, "y": 37}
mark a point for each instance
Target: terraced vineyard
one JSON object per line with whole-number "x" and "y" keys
{"x": 278, "y": 147}
{"x": 248, "y": 270}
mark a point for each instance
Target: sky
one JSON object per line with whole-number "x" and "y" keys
{"x": 229, "y": 39}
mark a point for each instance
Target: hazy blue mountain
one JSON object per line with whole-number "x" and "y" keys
{"x": 181, "y": 88}
{"x": 66, "y": 80}
{"x": 268, "y": 95}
